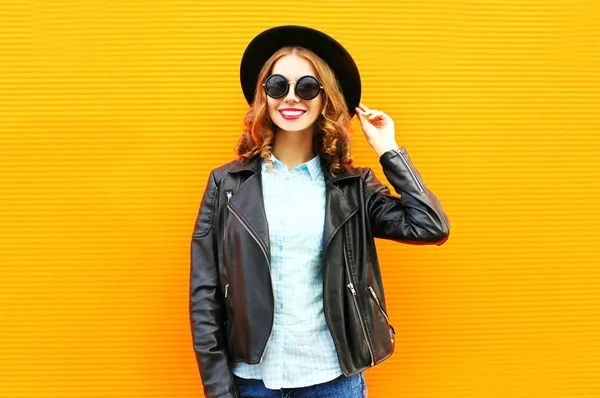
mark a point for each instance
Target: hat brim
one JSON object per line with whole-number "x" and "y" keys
{"x": 260, "y": 49}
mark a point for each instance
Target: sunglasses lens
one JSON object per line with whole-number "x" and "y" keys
{"x": 308, "y": 87}
{"x": 276, "y": 86}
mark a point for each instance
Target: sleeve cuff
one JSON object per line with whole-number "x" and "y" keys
{"x": 391, "y": 153}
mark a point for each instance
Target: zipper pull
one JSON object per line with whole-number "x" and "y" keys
{"x": 351, "y": 286}
{"x": 226, "y": 289}
{"x": 373, "y": 293}
{"x": 228, "y": 193}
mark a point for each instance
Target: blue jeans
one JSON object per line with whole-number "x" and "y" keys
{"x": 340, "y": 387}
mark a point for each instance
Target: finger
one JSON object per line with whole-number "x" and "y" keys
{"x": 369, "y": 112}
{"x": 359, "y": 112}
{"x": 363, "y": 107}
{"x": 362, "y": 119}
{"x": 375, "y": 115}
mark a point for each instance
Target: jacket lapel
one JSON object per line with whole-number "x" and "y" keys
{"x": 338, "y": 207}
{"x": 338, "y": 210}
{"x": 248, "y": 202}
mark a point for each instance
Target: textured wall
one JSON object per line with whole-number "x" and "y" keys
{"x": 112, "y": 113}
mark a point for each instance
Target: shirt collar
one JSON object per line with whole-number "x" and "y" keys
{"x": 313, "y": 166}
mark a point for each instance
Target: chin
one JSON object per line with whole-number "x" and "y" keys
{"x": 293, "y": 126}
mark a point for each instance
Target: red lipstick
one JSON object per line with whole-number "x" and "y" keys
{"x": 291, "y": 113}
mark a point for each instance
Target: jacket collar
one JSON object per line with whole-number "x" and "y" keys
{"x": 255, "y": 165}
{"x": 339, "y": 207}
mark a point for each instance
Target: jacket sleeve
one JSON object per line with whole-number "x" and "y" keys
{"x": 206, "y": 304}
{"x": 417, "y": 216}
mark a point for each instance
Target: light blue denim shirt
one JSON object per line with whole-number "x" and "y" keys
{"x": 300, "y": 351}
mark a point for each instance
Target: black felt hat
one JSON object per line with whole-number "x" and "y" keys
{"x": 333, "y": 53}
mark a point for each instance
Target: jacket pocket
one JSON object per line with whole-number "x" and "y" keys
{"x": 392, "y": 332}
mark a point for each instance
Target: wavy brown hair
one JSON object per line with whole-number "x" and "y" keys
{"x": 331, "y": 138}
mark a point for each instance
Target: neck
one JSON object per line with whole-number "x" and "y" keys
{"x": 293, "y": 147}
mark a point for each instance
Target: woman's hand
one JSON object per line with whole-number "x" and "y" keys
{"x": 378, "y": 129}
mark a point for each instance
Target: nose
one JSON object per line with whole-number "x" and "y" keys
{"x": 291, "y": 95}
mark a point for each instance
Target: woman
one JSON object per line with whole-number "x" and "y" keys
{"x": 286, "y": 296}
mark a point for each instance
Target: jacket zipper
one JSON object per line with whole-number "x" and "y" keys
{"x": 228, "y": 193}
{"x": 412, "y": 173}
{"x": 268, "y": 263}
{"x": 421, "y": 188}
{"x": 383, "y": 312}
{"x": 379, "y": 304}
{"x": 351, "y": 286}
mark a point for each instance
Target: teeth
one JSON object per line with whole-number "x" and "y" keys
{"x": 292, "y": 113}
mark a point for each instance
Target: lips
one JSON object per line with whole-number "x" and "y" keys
{"x": 291, "y": 114}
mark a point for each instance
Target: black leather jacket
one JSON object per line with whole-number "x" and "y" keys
{"x": 231, "y": 296}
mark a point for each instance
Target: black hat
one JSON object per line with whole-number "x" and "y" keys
{"x": 333, "y": 53}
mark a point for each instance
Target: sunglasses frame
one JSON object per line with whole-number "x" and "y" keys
{"x": 287, "y": 89}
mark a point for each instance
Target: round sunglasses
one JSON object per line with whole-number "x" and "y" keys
{"x": 307, "y": 87}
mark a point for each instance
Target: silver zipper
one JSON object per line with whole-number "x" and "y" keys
{"x": 268, "y": 263}
{"x": 351, "y": 286}
{"x": 226, "y": 289}
{"x": 420, "y": 186}
{"x": 410, "y": 170}
{"x": 228, "y": 193}
{"x": 383, "y": 312}
{"x": 379, "y": 304}
{"x": 251, "y": 234}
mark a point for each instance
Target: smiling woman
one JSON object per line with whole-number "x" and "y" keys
{"x": 286, "y": 295}
{"x": 299, "y": 106}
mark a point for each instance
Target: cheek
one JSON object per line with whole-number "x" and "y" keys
{"x": 317, "y": 107}
{"x": 272, "y": 106}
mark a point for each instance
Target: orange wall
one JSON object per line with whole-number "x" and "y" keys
{"x": 112, "y": 114}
